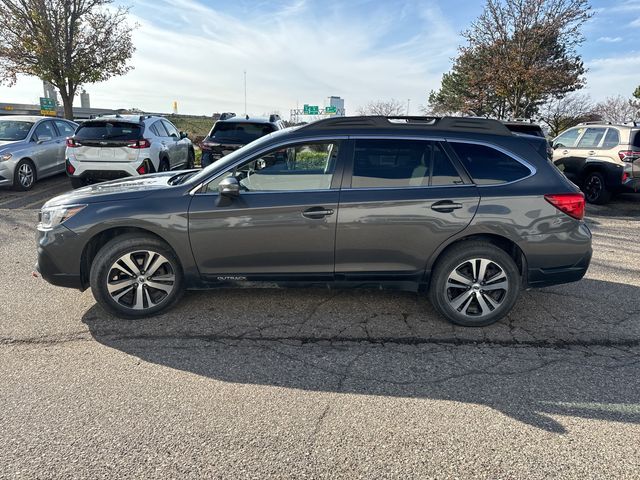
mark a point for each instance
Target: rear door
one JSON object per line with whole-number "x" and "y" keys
{"x": 107, "y": 141}
{"x": 566, "y": 156}
{"x": 400, "y": 200}
{"x": 45, "y": 148}
{"x": 65, "y": 130}
{"x": 634, "y": 156}
{"x": 174, "y": 144}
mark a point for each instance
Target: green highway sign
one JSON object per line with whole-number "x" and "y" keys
{"x": 311, "y": 109}
{"x": 330, "y": 109}
{"x": 48, "y": 106}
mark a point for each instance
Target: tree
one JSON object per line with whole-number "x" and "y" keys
{"x": 68, "y": 43}
{"x": 560, "y": 114}
{"x": 636, "y": 92}
{"x": 519, "y": 54}
{"x": 386, "y": 108}
{"x": 616, "y": 109}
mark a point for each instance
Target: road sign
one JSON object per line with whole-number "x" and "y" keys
{"x": 330, "y": 109}
{"x": 48, "y": 106}
{"x": 311, "y": 109}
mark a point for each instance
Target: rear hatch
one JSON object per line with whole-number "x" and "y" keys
{"x": 107, "y": 140}
{"x": 225, "y": 137}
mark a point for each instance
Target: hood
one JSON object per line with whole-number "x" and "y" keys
{"x": 122, "y": 189}
{"x": 9, "y": 143}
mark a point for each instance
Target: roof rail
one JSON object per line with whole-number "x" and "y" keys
{"x": 596, "y": 123}
{"x": 466, "y": 124}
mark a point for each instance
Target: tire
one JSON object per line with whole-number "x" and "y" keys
{"x": 164, "y": 165}
{"x": 24, "y": 175}
{"x": 191, "y": 160}
{"x": 470, "y": 302}
{"x": 138, "y": 295}
{"x": 78, "y": 182}
{"x": 595, "y": 189}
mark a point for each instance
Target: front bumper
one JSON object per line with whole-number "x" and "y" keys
{"x": 6, "y": 172}
{"x": 59, "y": 257}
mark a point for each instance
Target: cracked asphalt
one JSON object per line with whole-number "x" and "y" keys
{"x": 321, "y": 383}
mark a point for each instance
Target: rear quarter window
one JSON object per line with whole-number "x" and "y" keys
{"x": 635, "y": 138}
{"x": 488, "y": 166}
{"x": 109, "y": 131}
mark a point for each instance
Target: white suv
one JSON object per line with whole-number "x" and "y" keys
{"x": 115, "y": 146}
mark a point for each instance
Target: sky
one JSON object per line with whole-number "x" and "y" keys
{"x": 302, "y": 51}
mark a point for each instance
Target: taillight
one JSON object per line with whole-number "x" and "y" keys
{"x": 629, "y": 155}
{"x": 142, "y": 169}
{"x": 142, "y": 143}
{"x": 71, "y": 143}
{"x": 70, "y": 168}
{"x": 570, "y": 203}
{"x": 208, "y": 145}
{"x": 625, "y": 176}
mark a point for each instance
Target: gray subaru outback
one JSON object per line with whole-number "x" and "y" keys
{"x": 457, "y": 208}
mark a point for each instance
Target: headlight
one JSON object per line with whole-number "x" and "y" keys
{"x": 51, "y": 216}
{"x": 5, "y": 156}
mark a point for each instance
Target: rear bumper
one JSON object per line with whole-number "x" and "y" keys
{"x": 545, "y": 277}
{"x": 104, "y": 170}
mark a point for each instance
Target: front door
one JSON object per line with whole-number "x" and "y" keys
{"x": 45, "y": 148}
{"x": 281, "y": 225}
{"x": 403, "y": 199}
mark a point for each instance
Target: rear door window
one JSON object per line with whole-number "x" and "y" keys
{"x": 488, "y": 166}
{"x": 591, "y": 138}
{"x": 635, "y": 138}
{"x": 64, "y": 128}
{"x": 611, "y": 138}
{"x": 108, "y": 131}
{"x": 159, "y": 130}
{"x": 401, "y": 163}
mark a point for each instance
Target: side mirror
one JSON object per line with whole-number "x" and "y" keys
{"x": 184, "y": 135}
{"x": 229, "y": 187}
{"x": 42, "y": 139}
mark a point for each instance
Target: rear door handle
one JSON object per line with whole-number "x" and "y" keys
{"x": 317, "y": 213}
{"x": 445, "y": 206}
{"x": 564, "y": 152}
{"x": 591, "y": 152}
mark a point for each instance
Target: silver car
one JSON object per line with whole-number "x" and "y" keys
{"x": 32, "y": 148}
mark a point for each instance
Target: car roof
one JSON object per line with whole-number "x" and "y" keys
{"x": 28, "y": 118}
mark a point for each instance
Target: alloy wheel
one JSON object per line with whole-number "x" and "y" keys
{"x": 25, "y": 175}
{"x": 140, "y": 280}
{"x": 476, "y": 287}
{"x": 593, "y": 187}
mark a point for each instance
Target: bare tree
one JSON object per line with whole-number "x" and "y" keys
{"x": 617, "y": 109}
{"x": 386, "y": 108}
{"x": 68, "y": 43}
{"x": 563, "y": 113}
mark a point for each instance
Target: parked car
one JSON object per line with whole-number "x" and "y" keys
{"x": 115, "y": 146}
{"x": 602, "y": 158}
{"x": 460, "y": 207}
{"x": 31, "y": 148}
{"x": 231, "y": 132}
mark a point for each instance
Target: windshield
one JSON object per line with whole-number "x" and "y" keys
{"x": 230, "y": 159}
{"x": 239, "y": 132}
{"x": 14, "y": 130}
{"x": 108, "y": 131}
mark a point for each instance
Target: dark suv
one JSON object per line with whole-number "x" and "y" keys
{"x": 231, "y": 132}
{"x": 458, "y": 206}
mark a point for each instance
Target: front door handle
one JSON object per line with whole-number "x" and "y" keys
{"x": 565, "y": 152}
{"x": 317, "y": 213}
{"x": 445, "y": 206}
{"x": 592, "y": 152}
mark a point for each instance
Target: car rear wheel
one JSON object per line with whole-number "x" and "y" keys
{"x": 475, "y": 284}
{"x": 24, "y": 175}
{"x": 136, "y": 276}
{"x": 595, "y": 189}
{"x": 164, "y": 165}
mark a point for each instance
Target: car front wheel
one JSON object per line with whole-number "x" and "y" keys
{"x": 24, "y": 175}
{"x": 136, "y": 276}
{"x": 474, "y": 284}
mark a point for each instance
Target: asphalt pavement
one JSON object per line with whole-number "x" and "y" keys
{"x": 319, "y": 383}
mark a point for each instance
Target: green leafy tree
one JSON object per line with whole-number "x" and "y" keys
{"x": 68, "y": 43}
{"x": 518, "y": 55}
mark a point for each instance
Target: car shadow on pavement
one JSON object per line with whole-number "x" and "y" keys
{"x": 571, "y": 350}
